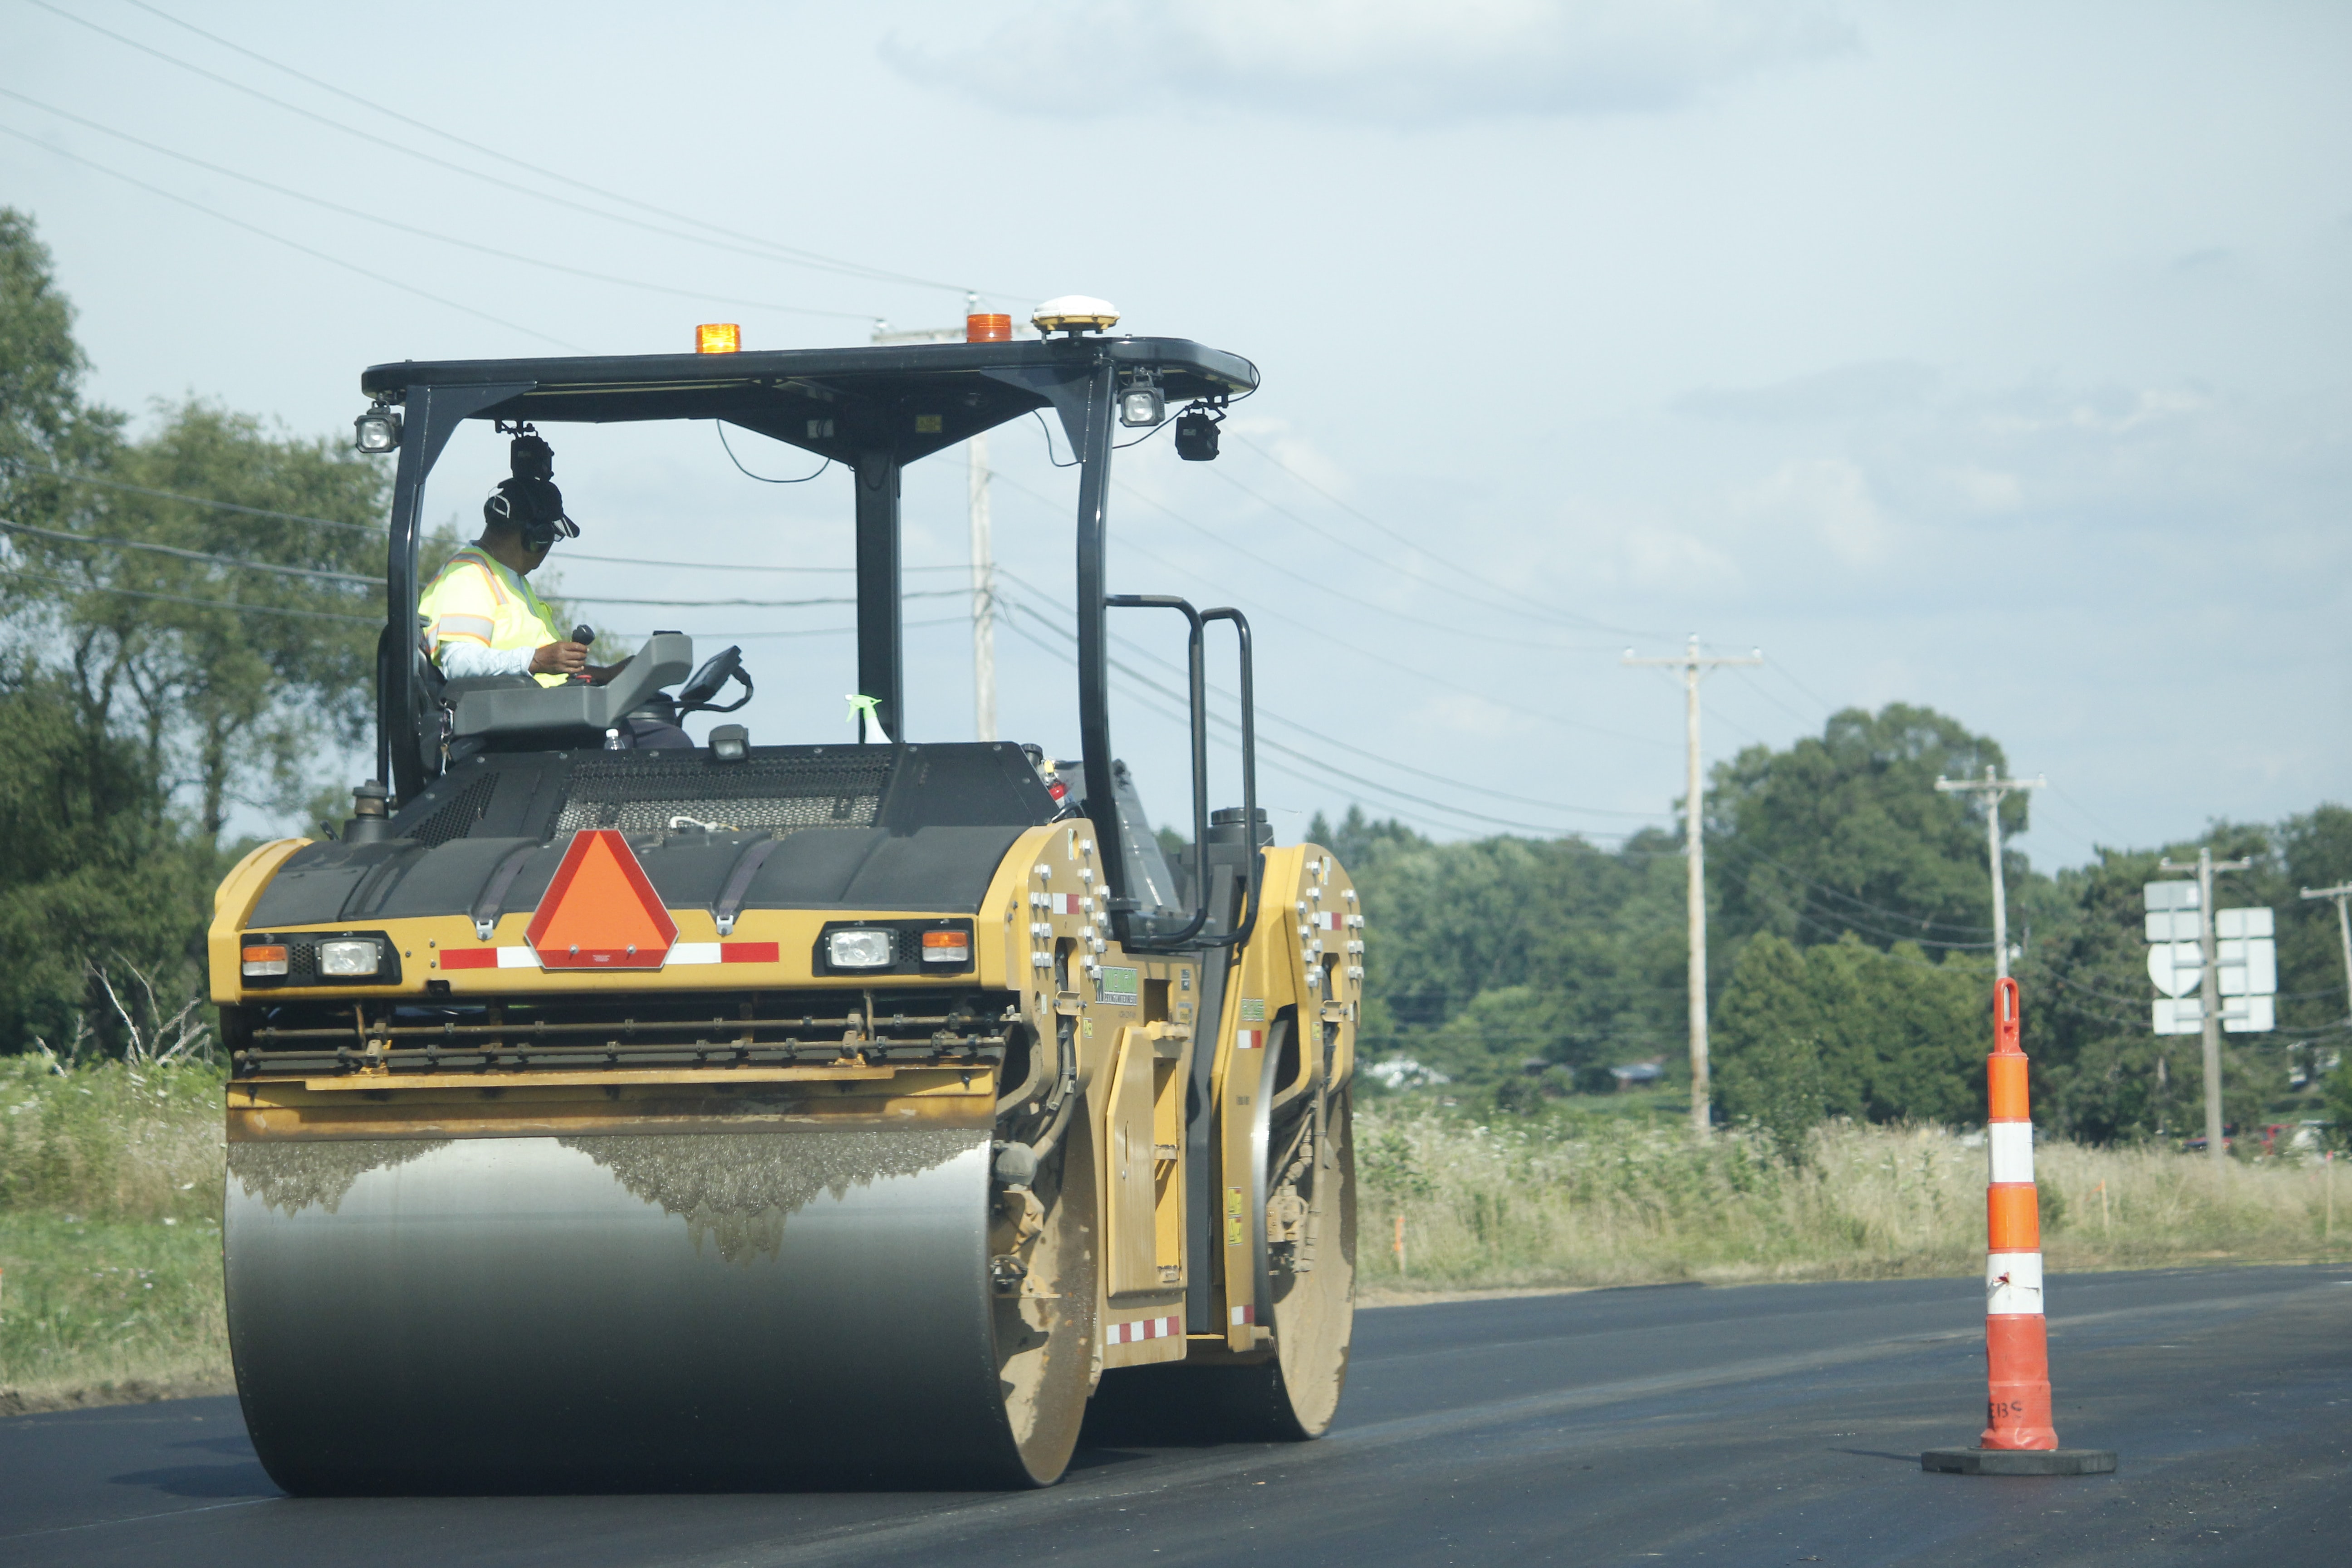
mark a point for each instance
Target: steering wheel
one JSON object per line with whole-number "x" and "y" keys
{"x": 696, "y": 696}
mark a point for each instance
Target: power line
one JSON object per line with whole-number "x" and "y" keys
{"x": 1265, "y": 713}
{"x": 400, "y": 227}
{"x": 312, "y": 573}
{"x": 203, "y": 500}
{"x": 1359, "y": 651}
{"x": 1549, "y": 613}
{"x": 1375, "y": 523}
{"x": 1185, "y": 700}
{"x": 768, "y": 250}
{"x": 755, "y": 604}
{"x": 289, "y": 244}
{"x": 185, "y": 599}
{"x": 1355, "y": 599}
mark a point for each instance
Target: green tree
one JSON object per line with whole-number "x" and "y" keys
{"x": 1848, "y": 833}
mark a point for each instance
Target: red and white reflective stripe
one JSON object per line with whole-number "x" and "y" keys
{"x": 2010, "y": 1145}
{"x": 1064, "y": 903}
{"x": 1143, "y": 1328}
{"x": 1326, "y": 919}
{"x": 684, "y": 953}
{"x": 1249, "y": 1039}
{"x": 1243, "y": 1315}
{"x": 2013, "y": 1282}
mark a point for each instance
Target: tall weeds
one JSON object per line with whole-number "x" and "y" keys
{"x": 1606, "y": 1203}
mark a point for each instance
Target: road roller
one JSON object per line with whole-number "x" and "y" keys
{"x": 750, "y": 1112}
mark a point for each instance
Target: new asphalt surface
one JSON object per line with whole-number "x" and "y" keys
{"x": 1761, "y": 1425}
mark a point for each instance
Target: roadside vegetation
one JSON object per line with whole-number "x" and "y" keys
{"x": 1584, "y": 1199}
{"x": 110, "y": 1230}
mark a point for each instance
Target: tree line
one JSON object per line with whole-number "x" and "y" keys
{"x": 188, "y": 618}
{"x": 1849, "y": 955}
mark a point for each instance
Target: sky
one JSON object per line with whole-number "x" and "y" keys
{"x": 1988, "y": 358}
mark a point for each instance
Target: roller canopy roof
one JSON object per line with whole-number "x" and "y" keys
{"x": 906, "y": 400}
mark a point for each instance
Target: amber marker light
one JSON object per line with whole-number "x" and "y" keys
{"x": 718, "y": 338}
{"x": 947, "y": 947}
{"x": 261, "y": 961}
{"x": 986, "y": 327}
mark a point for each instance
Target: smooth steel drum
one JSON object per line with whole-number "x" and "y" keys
{"x": 636, "y": 1312}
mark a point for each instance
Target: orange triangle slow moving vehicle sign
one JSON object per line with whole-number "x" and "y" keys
{"x": 601, "y": 912}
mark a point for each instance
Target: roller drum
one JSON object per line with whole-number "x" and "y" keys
{"x": 716, "y": 1310}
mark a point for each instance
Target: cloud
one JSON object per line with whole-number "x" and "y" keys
{"x": 1828, "y": 498}
{"x": 1847, "y": 392}
{"x": 1403, "y": 62}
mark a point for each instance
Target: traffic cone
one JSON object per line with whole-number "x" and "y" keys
{"x": 2018, "y": 1439}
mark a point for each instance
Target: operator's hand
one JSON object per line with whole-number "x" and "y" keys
{"x": 559, "y": 658}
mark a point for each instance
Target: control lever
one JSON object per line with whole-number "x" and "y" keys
{"x": 585, "y": 636}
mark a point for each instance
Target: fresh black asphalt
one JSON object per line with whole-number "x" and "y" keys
{"x": 1760, "y": 1424}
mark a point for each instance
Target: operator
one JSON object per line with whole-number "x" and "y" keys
{"x": 480, "y": 616}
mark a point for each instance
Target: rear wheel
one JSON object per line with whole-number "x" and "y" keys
{"x": 1292, "y": 1394}
{"x": 1043, "y": 1317}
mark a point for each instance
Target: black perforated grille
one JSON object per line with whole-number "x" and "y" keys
{"x": 456, "y": 819}
{"x": 779, "y": 793}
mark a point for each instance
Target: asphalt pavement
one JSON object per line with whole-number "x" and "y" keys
{"x": 1759, "y": 1425}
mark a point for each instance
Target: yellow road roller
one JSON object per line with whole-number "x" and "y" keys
{"x": 615, "y": 1114}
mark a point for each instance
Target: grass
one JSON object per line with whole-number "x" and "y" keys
{"x": 1575, "y": 1200}
{"x": 110, "y": 1231}
{"x": 111, "y": 1181}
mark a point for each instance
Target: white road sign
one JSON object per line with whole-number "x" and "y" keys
{"x": 2177, "y": 967}
{"x": 2240, "y": 1015}
{"x": 2245, "y": 963}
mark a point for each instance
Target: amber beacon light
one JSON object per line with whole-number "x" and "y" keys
{"x": 718, "y": 338}
{"x": 987, "y": 327}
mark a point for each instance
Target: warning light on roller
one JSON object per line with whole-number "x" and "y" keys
{"x": 947, "y": 947}
{"x": 718, "y": 338}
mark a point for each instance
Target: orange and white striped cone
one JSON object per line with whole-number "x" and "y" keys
{"x": 2018, "y": 1439}
{"x": 2017, "y": 1346}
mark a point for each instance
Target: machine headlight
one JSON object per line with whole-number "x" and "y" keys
{"x": 1142, "y": 406}
{"x": 859, "y": 949}
{"x": 377, "y": 430}
{"x": 350, "y": 959}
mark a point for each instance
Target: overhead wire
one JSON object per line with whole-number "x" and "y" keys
{"x": 312, "y": 573}
{"x": 241, "y": 608}
{"x": 373, "y": 277}
{"x": 1184, "y": 699}
{"x": 1357, "y": 551}
{"x": 1362, "y": 652}
{"x": 399, "y": 228}
{"x": 1265, "y": 712}
{"x": 203, "y": 501}
{"x": 766, "y": 250}
{"x": 1535, "y": 606}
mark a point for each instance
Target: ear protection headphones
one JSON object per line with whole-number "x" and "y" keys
{"x": 529, "y": 502}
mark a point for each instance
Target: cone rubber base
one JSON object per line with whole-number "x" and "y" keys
{"x": 2018, "y": 1462}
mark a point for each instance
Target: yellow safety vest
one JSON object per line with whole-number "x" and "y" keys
{"x": 479, "y": 600}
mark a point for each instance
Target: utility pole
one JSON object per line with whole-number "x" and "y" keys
{"x": 983, "y": 566}
{"x": 984, "y": 598}
{"x": 2341, "y": 892}
{"x": 2208, "y": 990}
{"x": 1995, "y": 790}
{"x": 1695, "y": 668}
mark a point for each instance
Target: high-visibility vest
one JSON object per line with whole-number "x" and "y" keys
{"x": 478, "y": 600}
